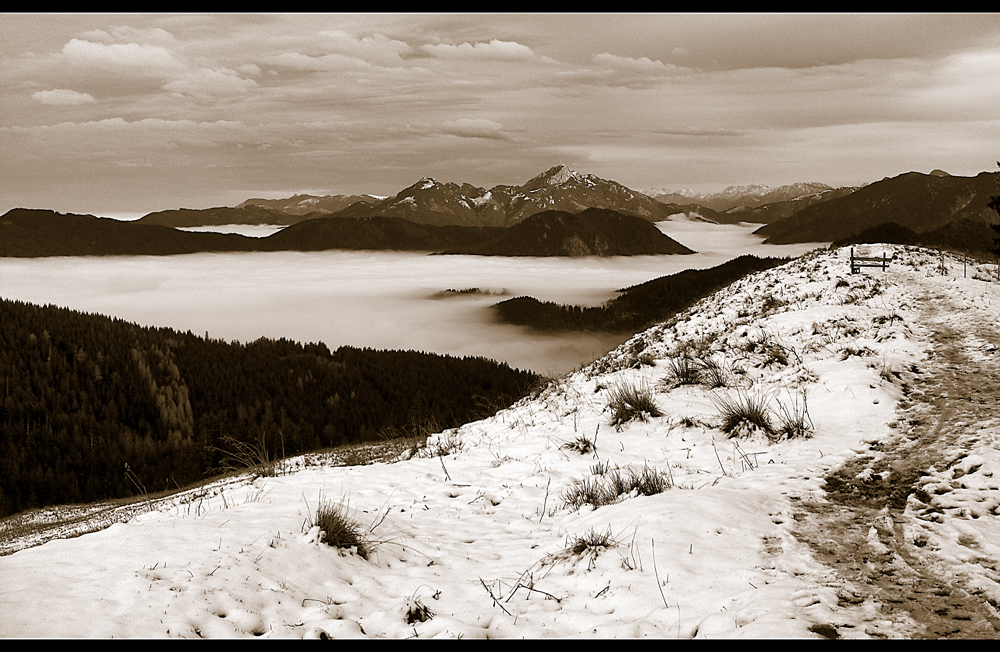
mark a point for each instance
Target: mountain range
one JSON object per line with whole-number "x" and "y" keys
{"x": 429, "y": 201}
{"x": 743, "y": 196}
{"x": 430, "y": 215}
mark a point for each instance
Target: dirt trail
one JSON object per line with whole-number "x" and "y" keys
{"x": 858, "y": 532}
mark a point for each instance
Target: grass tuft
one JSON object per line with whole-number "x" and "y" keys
{"x": 794, "y": 421}
{"x": 592, "y": 543}
{"x": 681, "y": 370}
{"x": 613, "y": 486}
{"x": 631, "y": 401}
{"x": 417, "y": 611}
{"x": 744, "y": 413}
{"x": 339, "y": 530}
{"x": 582, "y": 444}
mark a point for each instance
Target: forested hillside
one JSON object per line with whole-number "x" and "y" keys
{"x": 638, "y": 306}
{"x": 83, "y": 395}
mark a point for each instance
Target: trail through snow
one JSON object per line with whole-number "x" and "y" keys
{"x": 881, "y": 524}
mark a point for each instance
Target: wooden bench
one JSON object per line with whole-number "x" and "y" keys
{"x": 857, "y": 262}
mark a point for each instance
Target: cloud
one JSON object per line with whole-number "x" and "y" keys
{"x": 134, "y": 58}
{"x": 642, "y": 64}
{"x": 210, "y": 81}
{"x": 125, "y": 33}
{"x": 497, "y": 50}
{"x": 326, "y": 62}
{"x": 468, "y": 128}
{"x": 62, "y": 97}
{"x": 376, "y": 49}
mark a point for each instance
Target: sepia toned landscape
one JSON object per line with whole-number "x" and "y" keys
{"x": 499, "y": 326}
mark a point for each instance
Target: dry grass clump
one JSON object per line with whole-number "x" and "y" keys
{"x": 582, "y": 445}
{"x": 240, "y": 456}
{"x": 613, "y": 485}
{"x": 592, "y": 543}
{"x": 630, "y": 401}
{"x": 338, "y": 529}
{"x": 417, "y": 611}
{"x": 682, "y": 370}
{"x": 743, "y": 414}
{"x": 793, "y": 419}
{"x": 714, "y": 374}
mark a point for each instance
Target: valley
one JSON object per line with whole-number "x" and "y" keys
{"x": 375, "y": 299}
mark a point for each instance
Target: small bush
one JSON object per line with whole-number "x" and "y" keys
{"x": 859, "y": 351}
{"x": 649, "y": 482}
{"x": 743, "y": 414}
{"x": 239, "y": 456}
{"x": 630, "y": 401}
{"x": 339, "y": 531}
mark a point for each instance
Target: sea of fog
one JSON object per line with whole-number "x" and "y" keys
{"x": 380, "y": 300}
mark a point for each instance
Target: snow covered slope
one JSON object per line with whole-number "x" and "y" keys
{"x": 488, "y": 531}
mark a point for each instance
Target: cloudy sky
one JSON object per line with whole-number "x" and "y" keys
{"x": 114, "y": 114}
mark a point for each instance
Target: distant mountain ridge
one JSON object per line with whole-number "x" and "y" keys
{"x": 746, "y": 196}
{"x": 432, "y": 202}
{"x": 429, "y": 201}
{"x": 919, "y": 202}
{"x": 306, "y": 204}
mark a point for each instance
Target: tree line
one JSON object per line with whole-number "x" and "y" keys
{"x": 637, "y": 307}
{"x": 83, "y": 395}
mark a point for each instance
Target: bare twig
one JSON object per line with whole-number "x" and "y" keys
{"x": 657, "y": 575}
{"x": 496, "y": 603}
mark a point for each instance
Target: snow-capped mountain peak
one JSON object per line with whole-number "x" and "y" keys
{"x": 555, "y": 176}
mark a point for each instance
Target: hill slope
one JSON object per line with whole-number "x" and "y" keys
{"x": 503, "y": 528}
{"x": 84, "y": 395}
{"x": 919, "y": 202}
{"x": 592, "y": 232}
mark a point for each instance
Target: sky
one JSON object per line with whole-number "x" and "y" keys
{"x": 116, "y": 114}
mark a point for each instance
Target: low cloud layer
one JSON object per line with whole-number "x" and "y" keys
{"x": 382, "y": 300}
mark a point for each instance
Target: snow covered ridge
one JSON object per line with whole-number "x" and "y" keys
{"x": 577, "y": 514}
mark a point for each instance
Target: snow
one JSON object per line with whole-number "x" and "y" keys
{"x": 481, "y": 536}
{"x": 483, "y": 199}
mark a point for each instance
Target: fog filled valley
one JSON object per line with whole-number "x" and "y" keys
{"x": 374, "y": 299}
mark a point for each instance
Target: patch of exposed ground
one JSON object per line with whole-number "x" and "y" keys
{"x": 867, "y": 530}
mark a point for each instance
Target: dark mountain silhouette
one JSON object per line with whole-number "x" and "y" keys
{"x": 593, "y": 232}
{"x": 920, "y": 202}
{"x": 377, "y": 233}
{"x": 637, "y": 307}
{"x": 962, "y": 235}
{"x": 183, "y": 217}
{"x": 37, "y": 233}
